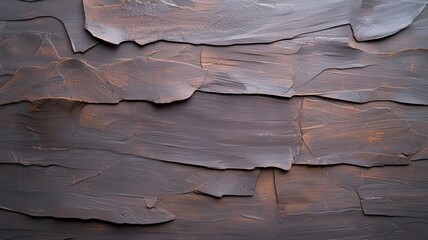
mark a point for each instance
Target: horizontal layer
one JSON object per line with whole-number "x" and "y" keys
{"x": 388, "y": 191}
{"x": 210, "y": 130}
{"x": 413, "y": 37}
{"x": 69, "y": 12}
{"x": 76, "y": 156}
{"x": 248, "y": 218}
{"x": 110, "y": 187}
{"x": 217, "y": 23}
{"x": 372, "y": 134}
{"x": 39, "y": 65}
{"x": 218, "y": 131}
{"x": 394, "y": 199}
{"x": 317, "y": 65}
{"x": 225, "y": 22}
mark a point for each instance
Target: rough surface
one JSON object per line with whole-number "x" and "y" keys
{"x": 386, "y": 191}
{"x": 69, "y": 12}
{"x": 206, "y": 22}
{"x": 45, "y": 73}
{"x": 110, "y": 187}
{"x": 209, "y": 130}
{"x": 374, "y": 19}
{"x": 224, "y": 22}
{"x": 394, "y": 200}
{"x": 411, "y": 38}
{"x": 373, "y": 134}
{"x": 258, "y": 217}
{"x": 325, "y": 64}
{"x": 198, "y": 119}
{"x": 317, "y": 65}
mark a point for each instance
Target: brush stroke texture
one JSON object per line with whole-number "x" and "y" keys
{"x": 225, "y": 131}
{"x": 397, "y": 200}
{"x": 321, "y": 64}
{"x": 91, "y": 146}
{"x": 209, "y": 130}
{"x": 225, "y": 22}
{"x": 386, "y": 191}
{"x": 258, "y": 217}
{"x": 317, "y": 65}
{"x": 411, "y": 38}
{"x": 372, "y": 134}
{"x": 112, "y": 188}
{"x": 69, "y": 12}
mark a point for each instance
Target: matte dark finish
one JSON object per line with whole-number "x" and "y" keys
{"x": 206, "y": 22}
{"x": 374, "y": 19}
{"x": 198, "y": 119}
{"x": 317, "y": 65}
{"x": 69, "y": 12}
{"x": 372, "y": 134}
{"x": 394, "y": 200}
{"x": 386, "y": 191}
{"x": 32, "y": 42}
{"x": 413, "y": 37}
{"x": 350, "y": 225}
{"x": 227, "y": 218}
{"x": 113, "y": 188}
{"x": 225, "y": 22}
{"x": 314, "y": 190}
{"x": 43, "y": 67}
{"x": 225, "y": 131}
{"x": 258, "y": 217}
{"x": 78, "y": 80}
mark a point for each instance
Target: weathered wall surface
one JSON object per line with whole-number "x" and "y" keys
{"x": 200, "y": 119}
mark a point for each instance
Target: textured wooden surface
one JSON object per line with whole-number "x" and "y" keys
{"x": 197, "y": 119}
